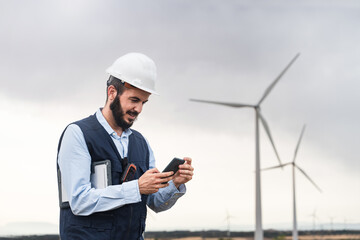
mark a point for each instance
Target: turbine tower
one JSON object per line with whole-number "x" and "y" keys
{"x": 227, "y": 219}
{"x": 295, "y": 166}
{"x": 258, "y": 116}
{"x": 314, "y": 217}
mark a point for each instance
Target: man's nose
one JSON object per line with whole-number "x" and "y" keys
{"x": 138, "y": 107}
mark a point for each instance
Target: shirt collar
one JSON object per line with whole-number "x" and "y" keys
{"x": 100, "y": 117}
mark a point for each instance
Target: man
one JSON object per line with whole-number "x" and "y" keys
{"x": 117, "y": 211}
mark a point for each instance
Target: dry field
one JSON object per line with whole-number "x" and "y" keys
{"x": 308, "y": 237}
{"x": 328, "y": 237}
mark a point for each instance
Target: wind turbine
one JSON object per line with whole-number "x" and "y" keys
{"x": 258, "y": 116}
{"x": 227, "y": 219}
{"x": 295, "y": 166}
{"x": 314, "y": 217}
{"x": 331, "y": 223}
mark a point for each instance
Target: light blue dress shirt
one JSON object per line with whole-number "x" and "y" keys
{"x": 74, "y": 161}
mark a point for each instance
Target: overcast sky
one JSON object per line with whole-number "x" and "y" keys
{"x": 53, "y": 57}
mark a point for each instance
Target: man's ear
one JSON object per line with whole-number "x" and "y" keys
{"x": 111, "y": 92}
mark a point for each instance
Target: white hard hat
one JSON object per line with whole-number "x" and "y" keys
{"x": 136, "y": 69}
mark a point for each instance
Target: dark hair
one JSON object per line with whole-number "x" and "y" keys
{"x": 118, "y": 85}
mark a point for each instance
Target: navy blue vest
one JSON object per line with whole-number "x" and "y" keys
{"x": 124, "y": 223}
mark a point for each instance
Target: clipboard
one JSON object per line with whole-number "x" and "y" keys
{"x": 100, "y": 174}
{"x": 100, "y": 177}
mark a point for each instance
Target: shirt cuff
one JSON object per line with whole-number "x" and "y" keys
{"x": 181, "y": 189}
{"x": 133, "y": 186}
{"x": 128, "y": 190}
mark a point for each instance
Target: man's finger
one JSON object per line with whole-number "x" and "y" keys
{"x": 165, "y": 174}
{"x": 184, "y": 173}
{"x": 186, "y": 167}
{"x": 164, "y": 179}
{"x": 188, "y": 160}
{"x": 153, "y": 170}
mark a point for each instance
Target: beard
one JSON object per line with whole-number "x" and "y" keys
{"x": 119, "y": 114}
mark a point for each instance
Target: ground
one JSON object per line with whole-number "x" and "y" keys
{"x": 308, "y": 237}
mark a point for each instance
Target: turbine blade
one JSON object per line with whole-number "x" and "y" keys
{"x": 267, "y": 130}
{"x": 268, "y": 90}
{"x": 298, "y": 144}
{"x": 307, "y": 176}
{"x": 237, "y": 105}
{"x": 274, "y": 167}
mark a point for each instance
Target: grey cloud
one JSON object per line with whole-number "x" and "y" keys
{"x": 231, "y": 51}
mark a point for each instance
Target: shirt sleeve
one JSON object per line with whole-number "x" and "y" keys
{"x": 166, "y": 197}
{"x": 75, "y": 167}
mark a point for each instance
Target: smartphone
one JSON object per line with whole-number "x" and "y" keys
{"x": 174, "y": 165}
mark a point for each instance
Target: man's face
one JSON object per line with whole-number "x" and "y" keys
{"x": 126, "y": 107}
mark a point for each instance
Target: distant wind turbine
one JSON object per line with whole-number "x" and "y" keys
{"x": 258, "y": 116}
{"x": 346, "y": 221}
{"x": 314, "y": 217}
{"x": 331, "y": 223}
{"x": 295, "y": 166}
{"x": 227, "y": 219}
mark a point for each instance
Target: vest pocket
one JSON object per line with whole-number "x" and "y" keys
{"x": 102, "y": 221}
{"x": 94, "y": 227}
{"x": 96, "y": 220}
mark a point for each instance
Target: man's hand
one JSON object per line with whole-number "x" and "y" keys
{"x": 185, "y": 173}
{"x": 152, "y": 180}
